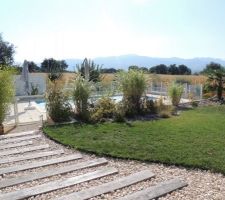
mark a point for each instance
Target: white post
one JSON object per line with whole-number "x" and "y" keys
{"x": 201, "y": 90}
{"x": 16, "y": 112}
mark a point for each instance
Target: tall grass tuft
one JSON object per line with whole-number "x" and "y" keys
{"x": 81, "y": 94}
{"x": 175, "y": 93}
{"x": 57, "y": 102}
{"x": 133, "y": 85}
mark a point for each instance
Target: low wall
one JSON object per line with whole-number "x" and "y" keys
{"x": 37, "y": 80}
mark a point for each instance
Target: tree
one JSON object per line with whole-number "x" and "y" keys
{"x": 7, "y": 51}
{"x": 159, "y": 69}
{"x": 33, "y": 67}
{"x": 184, "y": 70}
{"x": 144, "y": 69}
{"x": 133, "y": 67}
{"x": 94, "y": 70}
{"x": 211, "y": 67}
{"x": 173, "y": 69}
{"x": 54, "y": 68}
{"x": 216, "y": 78}
{"x": 108, "y": 70}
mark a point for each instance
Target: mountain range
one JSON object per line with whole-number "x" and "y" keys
{"x": 124, "y": 61}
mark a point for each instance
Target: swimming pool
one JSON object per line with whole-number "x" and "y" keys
{"x": 41, "y": 102}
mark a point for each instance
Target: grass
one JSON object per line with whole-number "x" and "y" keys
{"x": 196, "y": 139}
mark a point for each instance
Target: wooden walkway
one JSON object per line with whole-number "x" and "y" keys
{"x": 18, "y": 147}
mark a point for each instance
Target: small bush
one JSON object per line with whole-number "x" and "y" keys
{"x": 148, "y": 106}
{"x": 104, "y": 108}
{"x": 194, "y": 104}
{"x": 119, "y": 114}
{"x": 175, "y": 93}
{"x": 165, "y": 114}
{"x": 57, "y": 102}
{"x": 163, "y": 110}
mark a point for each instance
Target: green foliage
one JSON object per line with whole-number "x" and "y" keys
{"x": 119, "y": 114}
{"x": 93, "y": 71}
{"x": 133, "y": 85}
{"x": 216, "y": 78}
{"x": 34, "y": 89}
{"x": 33, "y": 67}
{"x": 57, "y": 102}
{"x": 81, "y": 94}
{"x": 148, "y": 106}
{"x": 6, "y": 92}
{"x": 104, "y": 108}
{"x": 175, "y": 92}
{"x": 7, "y": 52}
{"x": 54, "y": 68}
{"x": 211, "y": 67}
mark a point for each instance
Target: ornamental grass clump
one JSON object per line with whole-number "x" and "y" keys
{"x": 81, "y": 94}
{"x": 175, "y": 93}
{"x": 133, "y": 85}
{"x": 57, "y": 102}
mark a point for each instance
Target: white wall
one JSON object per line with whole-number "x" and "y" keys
{"x": 38, "y": 80}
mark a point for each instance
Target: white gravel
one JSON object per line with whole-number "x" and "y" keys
{"x": 202, "y": 185}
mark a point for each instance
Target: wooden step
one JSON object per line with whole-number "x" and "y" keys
{"x": 55, "y": 185}
{"x": 30, "y": 156}
{"x": 48, "y": 173}
{"x": 10, "y": 135}
{"x": 23, "y": 150}
{"x": 11, "y": 140}
{"x": 39, "y": 164}
{"x": 156, "y": 191}
{"x": 13, "y": 145}
{"x": 109, "y": 187}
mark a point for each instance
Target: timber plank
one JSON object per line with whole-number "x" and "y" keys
{"x": 11, "y": 140}
{"x": 48, "y": 173}
{"x": 55, "y": 185}
{"x": 30, "y": 156}
{"x": 109, "y": 187}
{"x": 13, "y": 145}
{"x": 23, "y": 150}
{"x": 17, "y": 134}
{"x": 39, "y": 164}
{"x": 156, "y": 191}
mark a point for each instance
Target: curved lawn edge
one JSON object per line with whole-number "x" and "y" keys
{"x": 193, "y": 140}
{"x": 149, "y": 161}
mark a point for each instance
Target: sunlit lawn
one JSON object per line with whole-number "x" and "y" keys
{"x": 194, "y": 139}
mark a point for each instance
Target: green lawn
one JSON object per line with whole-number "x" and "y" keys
{"x": 194, "y": 139}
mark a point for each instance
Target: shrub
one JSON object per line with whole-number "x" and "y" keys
{"x": 104, "y": 108}
{"x": 81, "y": 94}
{"x": 34, "y": 89}
{"x": 148, "y": 106}
{"x": 163, "y": 110}
{"x": 133, "y": 85}
{"x": 175, "y": 93}
{"x": 6, "y": 94}
{"x": 57, "y": 102}
{"x": 119, "y": 114}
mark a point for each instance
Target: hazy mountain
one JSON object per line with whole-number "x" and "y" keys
{"x": 124, "y": 61}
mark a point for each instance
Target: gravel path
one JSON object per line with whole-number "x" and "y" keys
{"x": 202, "y": 185}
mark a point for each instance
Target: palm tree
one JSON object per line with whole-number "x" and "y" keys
{"x": 216, "y": 78}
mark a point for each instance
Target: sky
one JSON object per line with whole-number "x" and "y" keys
{"x": 96, "y": 28}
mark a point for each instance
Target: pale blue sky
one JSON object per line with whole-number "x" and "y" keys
{"x": 90, "y": 28}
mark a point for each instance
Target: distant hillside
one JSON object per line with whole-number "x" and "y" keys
{"x": 124, "y": 61}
